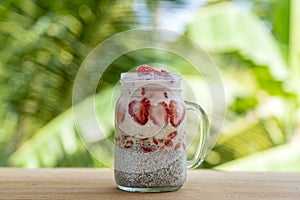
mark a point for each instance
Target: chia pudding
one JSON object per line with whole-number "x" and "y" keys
{"x": 150, "y": 132}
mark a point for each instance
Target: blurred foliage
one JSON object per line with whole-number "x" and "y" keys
{"x": 262, "y": 106}
{"x": 43, "y": 44}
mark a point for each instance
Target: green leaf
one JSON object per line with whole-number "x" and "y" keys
{"x": 48, "y": 145}
{"x": 243, "y": 137}
{"x": 224, "y": 27}
{"x": 282, "y": 158}
{"x": 58, "y": 139}
{"x": 279, "y": 17}
{"x": 294, "y": 46}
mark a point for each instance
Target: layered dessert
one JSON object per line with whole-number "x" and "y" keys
{"x": 150, "y": 132}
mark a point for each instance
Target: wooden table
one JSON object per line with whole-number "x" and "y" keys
{"x": 99, "y": 184}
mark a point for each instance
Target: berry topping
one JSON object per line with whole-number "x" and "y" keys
{"x": 155, "y": 141}
{"x": 143, "y": 91}
{"x": 176, "y": 112}
{"x": 177, "y": 146}
{"x": 139, "y": 110}
{"x": 120, "y": 113}
{"x": 146, "y": 149}
{"x": 145, "y": 69}
{"x": 159, "y": 114}
{"x": 143, "y": 139}
{"x": 168, "y": 143}
{"x": 128, "y": 144}
{"x": 162, "y": 148}
{"x": 172, "y": 135}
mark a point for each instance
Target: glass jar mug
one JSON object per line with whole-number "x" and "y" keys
{"x": 151, "y": 131}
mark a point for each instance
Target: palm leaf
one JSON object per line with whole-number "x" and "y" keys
{"x": 42, "y": 46}
{"x": 58, "y": 139}
{"x": 49, "y": 144}
{"x": 243, "y": 137}
{"x": 282, "y": 158}
{"x": 223, "y": 28}
{"x": 251, "y": 59}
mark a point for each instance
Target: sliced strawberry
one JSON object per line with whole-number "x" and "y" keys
{"x": 162, "y": 148}
{"x": 177, "y": 146}
{"x": 159, "y": 114}
{"x": 120, "y": 111}
{"x": 139, "y": 110}
{"x": 155, "y": 141}
{"x": 168, "y": 143}
{"x": 128, "y": 144}
{"x": 176, "y": 112}
{"x": 172, "y": 135}
{"x": 143, "y": 139}
{"x": 145, "y": 69}
{"x": 143, "y": 91}
{"x": 146, "y": 149}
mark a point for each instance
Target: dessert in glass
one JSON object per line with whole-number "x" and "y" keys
{"x": 150, "y": 132}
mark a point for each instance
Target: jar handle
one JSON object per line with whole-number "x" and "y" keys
{"x": 202, "y": 133}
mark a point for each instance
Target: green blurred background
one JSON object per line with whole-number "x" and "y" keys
{"x": 255, "y": 44}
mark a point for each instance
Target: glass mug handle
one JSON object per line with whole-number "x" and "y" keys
{"x": 202, "y": 133}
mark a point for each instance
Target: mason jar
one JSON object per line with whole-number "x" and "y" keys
{"x": 151, "y": 131}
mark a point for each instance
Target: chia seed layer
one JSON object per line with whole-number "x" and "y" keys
{"x": 150, "y": 170}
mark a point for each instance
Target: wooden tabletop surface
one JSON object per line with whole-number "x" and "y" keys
{"x": 86, "y": 184}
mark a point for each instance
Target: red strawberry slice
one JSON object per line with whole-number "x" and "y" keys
{"x": 121, "y": 111}
{"x": 176, "y": 112}
{"x": 177, "y": 146}
{"x": 128, "y": 144}
{"x": 145, "y": 69}
{"x": 143, "y": 92}
{"x": 162, "y": 148}
{"x": 159, "y": 114}
{"x": 143, "y": 139}
{"x": 139, "y": 110}
{"x": 172, "y": 135}
{"x": 155, "y": 141}
{"x": 146, "y": 149}
{"x": 168, "y": 143}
